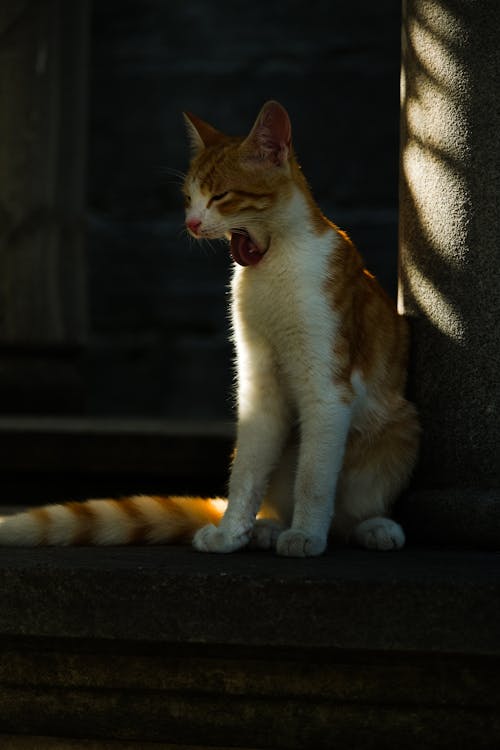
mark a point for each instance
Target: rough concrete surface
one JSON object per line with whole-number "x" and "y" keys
{"x": 450, "y": 235}
{"x": 413, "y": 600}
{"x": 249, "y": 650}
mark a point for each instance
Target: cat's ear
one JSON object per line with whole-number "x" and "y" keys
{"x": 200, "y": 133}
{"x": 270, "y": 139}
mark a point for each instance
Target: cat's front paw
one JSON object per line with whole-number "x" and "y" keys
{"x": 297, "y": 543}
{"x": 215, "y": 539}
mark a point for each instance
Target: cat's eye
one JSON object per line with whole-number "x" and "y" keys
{"x": 187, "y": 201}
{"x": 219, "y": 196}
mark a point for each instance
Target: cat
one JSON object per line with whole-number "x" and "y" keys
{"x": 326, "y": 440}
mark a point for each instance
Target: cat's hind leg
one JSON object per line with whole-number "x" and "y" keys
{"x": 379, "y": 533}
{"x": 376, "y": 470}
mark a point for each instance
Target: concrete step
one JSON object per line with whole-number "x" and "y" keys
{"x": 44, "y": 459}
{"x": 161, "y": 644}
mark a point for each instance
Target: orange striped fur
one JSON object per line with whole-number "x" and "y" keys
{"x": 140, "y": 519}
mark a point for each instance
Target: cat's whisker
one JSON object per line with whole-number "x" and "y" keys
{"x": 175, "y": 182}
{"x": 193, "y": 244}
{"x": 208, "y": 245}
{"x": 176, "y": 177}
{"x": 171, "y": 171}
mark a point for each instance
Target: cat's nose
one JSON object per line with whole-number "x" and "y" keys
{"x": 193, "y": 225}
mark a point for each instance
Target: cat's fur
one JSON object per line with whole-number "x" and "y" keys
{"x": 325, "y": 434}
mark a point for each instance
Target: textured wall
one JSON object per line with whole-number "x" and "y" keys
{"x": 43, "y": 97}
{"x": 450, "y": 234}
{"x": 158, "y": 321}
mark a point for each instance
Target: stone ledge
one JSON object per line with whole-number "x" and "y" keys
{"x": 161, "y": 644}
{"x": 30, "y": 742}
{"x": 51, "y": 459}
{"x": 101, "y": 445}
{"x": 414, "y": 600}
{"x": 240, "y": 698}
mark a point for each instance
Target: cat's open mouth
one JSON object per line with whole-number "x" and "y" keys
{"x": 244, "y": 249}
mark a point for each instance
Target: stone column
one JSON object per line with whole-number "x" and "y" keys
{"x": 43, "y": 129}
{"x": 449, "y": 263}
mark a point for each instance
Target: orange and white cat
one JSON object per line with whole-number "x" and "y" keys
{"x": 326, "y": 440}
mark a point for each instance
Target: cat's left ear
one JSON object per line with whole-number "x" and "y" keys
{"x": 270, "y": 139}
{"x": 200, "y": 133}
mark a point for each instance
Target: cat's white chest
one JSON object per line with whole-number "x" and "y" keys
{"x": 283, "y": 305}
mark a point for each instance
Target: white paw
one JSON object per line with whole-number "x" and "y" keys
{"x": 215, "y": 539}
{"x": 380, "y": 533}
{"x": 296, "y": 543}
{"x": 265, "y": 533}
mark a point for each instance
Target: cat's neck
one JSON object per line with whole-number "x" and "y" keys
{"x": 315, "y": 218}
{"x": 298, "y": 217}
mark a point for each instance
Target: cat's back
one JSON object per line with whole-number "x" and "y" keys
{"x": 373, "y": 338}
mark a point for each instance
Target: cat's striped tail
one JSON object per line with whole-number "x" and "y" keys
{"x": 141, "y": 519}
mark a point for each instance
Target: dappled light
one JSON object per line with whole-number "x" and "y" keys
{"x": 434, "y": 154}
{"x": 449, "y": 232}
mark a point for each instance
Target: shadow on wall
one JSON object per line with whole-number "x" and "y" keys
{"x": 446, "y": 255}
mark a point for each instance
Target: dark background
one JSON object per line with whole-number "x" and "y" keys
{"x": 157, "y": 331}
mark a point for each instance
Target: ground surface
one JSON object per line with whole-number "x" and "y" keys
{"x": 415, "y": 599}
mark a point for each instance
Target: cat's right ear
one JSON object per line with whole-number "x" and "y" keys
{"x": 270, "y": 140}
{"x": 200, "y": 133}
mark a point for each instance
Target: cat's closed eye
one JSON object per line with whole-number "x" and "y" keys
{"x": 219, "y": 196}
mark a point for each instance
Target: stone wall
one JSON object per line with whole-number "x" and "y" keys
{"x": 158, "y": 327}
{"x": 449, "y": 239}
{"x": 43, "y": 311}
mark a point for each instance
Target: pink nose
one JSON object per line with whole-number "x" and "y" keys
{"x": 193, "y": 225}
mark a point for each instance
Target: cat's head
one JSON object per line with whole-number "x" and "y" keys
{"x": 235, "y": 186}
